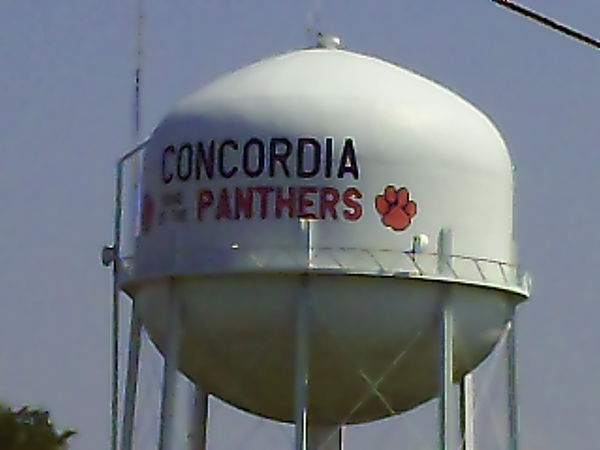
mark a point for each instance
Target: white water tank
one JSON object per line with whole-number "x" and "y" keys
{"x": 316, "y": 173}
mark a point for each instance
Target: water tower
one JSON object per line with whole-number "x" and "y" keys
{"x": 321, "y": 238}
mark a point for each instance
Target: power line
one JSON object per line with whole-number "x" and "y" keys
{"x": 548, "y": 22}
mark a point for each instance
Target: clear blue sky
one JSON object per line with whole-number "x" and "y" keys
{"x": 66, "y": 71}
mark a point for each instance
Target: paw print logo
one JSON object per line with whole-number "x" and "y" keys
{"x": 395, "y": 208}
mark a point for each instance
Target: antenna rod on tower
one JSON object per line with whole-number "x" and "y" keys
{"x": 138, "y": 69}
{"x": 548, "y": 22}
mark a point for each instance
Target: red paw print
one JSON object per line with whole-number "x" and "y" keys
{"x": 395, "y": 208}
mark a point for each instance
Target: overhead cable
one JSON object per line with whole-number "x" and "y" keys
{"x": 533, "y": 15}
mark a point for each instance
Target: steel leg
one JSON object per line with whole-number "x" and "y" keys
{"x": 135, "y": 332}
{"x": 446, "y": 341}
{"x": 199, "y": 420}
{"x": 167, "y": 413}
{"x": 513, "y": 405}
{"x": 446, "y": 353}
{"x": 467, "y": 412}
{"x": 301, "y": 369}
{"x": 116, "y": 261}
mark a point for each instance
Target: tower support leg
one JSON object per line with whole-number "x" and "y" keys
{"x": 135, "y": 332}
{"x": 302, "y": 367}
{"x": 167, "y": 413}
{"x": 199, "y": 420}
{"x": 445, "y": 415}
{"x": 513, "y": 404}
{"x": 446, "y": 341}
{"x": 325, "y": 437}
{"x": 467, "y": 412}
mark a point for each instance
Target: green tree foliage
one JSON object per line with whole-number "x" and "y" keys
{"x": 30, "y": 429}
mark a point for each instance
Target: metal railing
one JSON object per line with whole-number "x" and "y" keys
{"x": 343, "y": 260}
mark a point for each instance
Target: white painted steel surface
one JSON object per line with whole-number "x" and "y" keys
{"x": 406, "y": 132}
{"x": 236, "y": 258}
